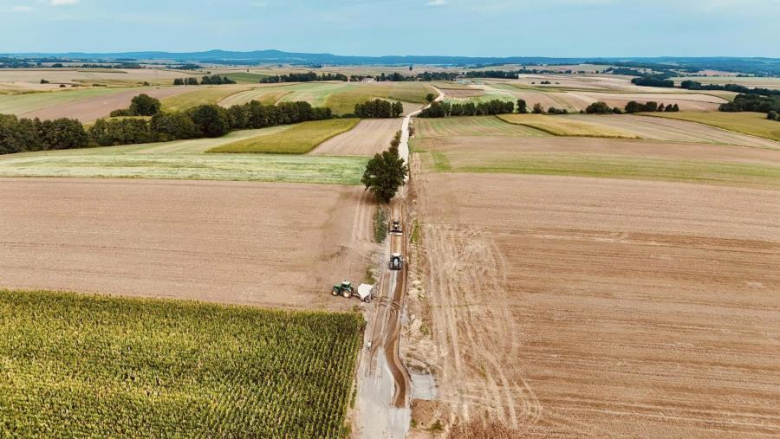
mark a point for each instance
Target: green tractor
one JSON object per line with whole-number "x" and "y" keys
{"x": 344, "y": 289}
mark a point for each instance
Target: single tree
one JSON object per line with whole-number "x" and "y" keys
{"x": 522, "y": 106}
{"x": 385, "y": 174}
{"x": 538, "y": 109}
{"x": 772, "y": 115}
{"x": 430, "y": 98}
{"x": 144, "y": 105}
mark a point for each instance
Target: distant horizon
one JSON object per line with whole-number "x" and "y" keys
{"x": 490, "y": 28}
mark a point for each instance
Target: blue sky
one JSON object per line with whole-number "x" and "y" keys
{"x": 556, "y": 28}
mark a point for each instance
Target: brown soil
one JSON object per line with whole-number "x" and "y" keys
{"x": 574, "y": 307}
{"x": 368, "y": 138}
{"x": 91, "y": 109}
{"x": 263, "y": 244}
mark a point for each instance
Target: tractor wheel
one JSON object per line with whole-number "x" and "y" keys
{"x": 347, "y": 294}
{"x": 335, "y": 292}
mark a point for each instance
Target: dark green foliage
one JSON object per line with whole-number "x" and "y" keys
{"x": 522, "y": 106}
{"x": 125, "y": 112}
{"x": 385, "y": 174}
{"x": 379, "y": 108}
{"x": 752, "y": 102}
{"x": 303, "y": 77}
{"x": 653, "y": 81}
{"x": 19, "y": 135}
{"x": 210, "y": 120}
{"x": 430, "y": 97}
{"x": 121, "y": 132}
{"x": 773, "y": 115}
{"x": 598, "y": 108}
{"x": 178, "y": 81}
{"x": 216, "y": 80}
{"x": 736, "y": 88}
{"x": 445, "y": 109}
{"x": 173, "y": 126}
{"x": 43, "y": 81}
{"x": 553, "y": 110}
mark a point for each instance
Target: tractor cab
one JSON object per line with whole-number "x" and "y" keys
{"x": 395, "y": 228}
{"x": 396, "y": 262}
{"x": 343, "y": 289}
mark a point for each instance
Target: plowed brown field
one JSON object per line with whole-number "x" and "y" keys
{"x": 265, "y": 244}
{"x": 576, "y": 307}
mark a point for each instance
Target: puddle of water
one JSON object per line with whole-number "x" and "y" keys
{"x": 423, "y": 386}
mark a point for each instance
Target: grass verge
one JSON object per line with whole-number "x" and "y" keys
{"x": 94, "y": 366}
{"x": 299, "y": 139}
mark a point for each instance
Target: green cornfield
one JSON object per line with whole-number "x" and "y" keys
{"x": 96, "y": 366}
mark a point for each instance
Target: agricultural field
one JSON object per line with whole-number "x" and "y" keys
{"x": 472, "y": 126}
{"x": 603, "y": 158}
{"x": 672, "y": 130}
{"x": 87, "y": 77}
{"x": 261, "y": 244}
{"x": 369, "y": 137}
{"x": 185, "y": 160}
{"x": 759, "y": 82}
{"x": 563, "y": 126}
{"x": 202, "y": 95}
{"x": 298, "y": 139}
{"x": 638, "y": 309}
{"x": 96, "y": 366}
{"x": 754, "y": 124}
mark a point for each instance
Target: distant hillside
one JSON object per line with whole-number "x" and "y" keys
{"x": 761, "y": 66}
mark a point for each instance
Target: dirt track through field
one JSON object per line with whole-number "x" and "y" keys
{"x": 91, "y": 109}
{"x": 371, "y": 136}
{"x": 263, "y": 244}
{"x": 575, "y": 307}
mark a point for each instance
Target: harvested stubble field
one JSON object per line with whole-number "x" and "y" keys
{"x": 686, "y": 101}
{"x": 656, "y": 128}
{"x": 202, "y": 95}
{"x": 575, "y": 307}
{"x": 32, "y": 77}
{"x": 563, "y": 126}
{"x": 369, "y": 137}
{"x": 95, "y": 366}
{"x": 298, "y": 139}
{"x": 472, "y": 126}
{"x": 603, "y": 158}
{"x": 754, "y": 124}
{"x": 264, "y": 244}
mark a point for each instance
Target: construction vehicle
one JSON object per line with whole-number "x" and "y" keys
{"x": 395, "y": 228}
{"x": 364, "y": 292}
{"x": 344, "y": 289}
{"x": 396, "y": 262}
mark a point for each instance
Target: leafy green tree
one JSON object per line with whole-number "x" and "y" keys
{"x": 385, "y": 174}
{"x": 173, "y": 126}
{"x": 210, "y": 120}
{"x": 522, "y": 106}
{"x": 145, "y": 105}
{"x": 598, "y": 108}
{"x": 430, "y": 97}
{"x": 772, "y": 115}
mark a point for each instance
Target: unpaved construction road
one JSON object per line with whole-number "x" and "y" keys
{"x": 266, "y": 244}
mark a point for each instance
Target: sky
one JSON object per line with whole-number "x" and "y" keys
{"x": 553, "y": 28}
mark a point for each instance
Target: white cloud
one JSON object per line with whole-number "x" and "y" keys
{"x": 437, "y": 3}
{"x": 63, "y": 2}
{"x": 22, "y": 9}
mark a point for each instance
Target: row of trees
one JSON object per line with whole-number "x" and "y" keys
{"x": 446, "y": 109}
{"x": 752, "y": 102}
{"x": 379, "y": 108}
{"x": 20, "y": 135}
{"x": 650, "y": 107}
{"x": 653, "y": 81}
{"x": 206, "y": 80}
{"x": 203, "y": 121}
{"x": 303, "y": 77}
{"x": 736, "y": 88}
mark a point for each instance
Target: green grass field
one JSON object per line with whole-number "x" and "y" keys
{"x": 754, "y": 124}
{"x": 563, "y": 126}
{"x": 299, "y": 139}
{"x": 93, "y": 366}
{"x": 185, "y": 160}
{"x": 210, "y": 94}
{"x": 472, "y": 126}
{"x": 246, "y": 77}
{"x": 27, "y": 102}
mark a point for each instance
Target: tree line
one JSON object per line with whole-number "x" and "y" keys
{"x": 303, "y": 77}
{"x": 736, "y": 88}
{"x": 752, "y": 102}
{"x": 20, "y": 135}
{"x": 386, "y": 172}
{"x": 379, "y": 108}
{"x": 206, "y": 80}
{"x": 653, "y": 81}
{"x": 446, "y": 109}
